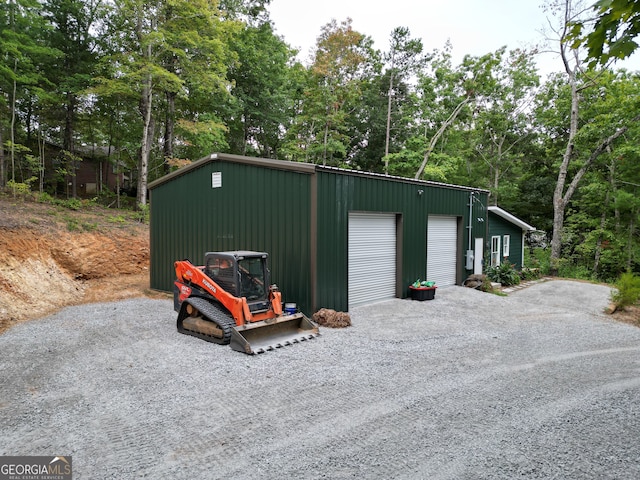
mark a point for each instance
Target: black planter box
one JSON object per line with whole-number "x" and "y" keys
{"x": 422, "y": 293}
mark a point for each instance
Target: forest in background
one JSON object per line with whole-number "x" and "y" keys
{"x": 161, "y": 83}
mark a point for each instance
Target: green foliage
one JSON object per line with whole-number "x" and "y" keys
{"x": 537, "y": 259}
{"x": 75, "y": 204}
{"x": 76, "y": 225}
{"x": 142, "y": 213}
{"x": 44, "y": 197}
{"x": 118, "y": 219}
{"x": 334, "y": 86}
{"x": 70, "y": 204}
{"x": 612, "y": 35}
{"x": 568, "y": 269}
{"x": 263, "y": 91}
{"x": 21, "y": 189}
{"x": 627, "y": 291}
{"x": 505, "y": 274}
{"x": 530, "y": 274}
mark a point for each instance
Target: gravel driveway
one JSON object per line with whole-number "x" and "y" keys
{"x": 538, "y": 384}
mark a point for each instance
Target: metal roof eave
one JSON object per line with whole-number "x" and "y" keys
{"x": 308, "y": 168}
{"x": 263, "y": 162}
{"x": 511, "y": 218}
{"x": 395, "y": 178}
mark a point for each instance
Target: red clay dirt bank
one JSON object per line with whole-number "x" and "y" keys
{"x": 52, "y": 257}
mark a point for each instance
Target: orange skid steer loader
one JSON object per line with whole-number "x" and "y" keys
{"x": 230, "y": 301}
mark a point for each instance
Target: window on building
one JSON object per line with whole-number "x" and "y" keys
{"x": 505, "y": 245}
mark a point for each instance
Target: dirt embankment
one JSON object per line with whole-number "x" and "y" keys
{"x": 52, "y": 257}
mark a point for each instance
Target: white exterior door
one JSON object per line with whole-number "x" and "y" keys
{"x": 495, "y": 251}
{"x": 442, "y": 250}
{"x": 372, "y": 257}
{"x": 478, "y": 256}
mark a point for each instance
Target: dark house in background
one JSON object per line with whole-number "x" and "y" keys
{"x": 94, "y": 173}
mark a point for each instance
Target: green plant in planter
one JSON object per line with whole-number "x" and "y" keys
{"x": 505, "y": 274}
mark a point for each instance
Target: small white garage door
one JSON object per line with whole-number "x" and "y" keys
{"x": 442, "y": 243}
{"x": 372, "y": 257}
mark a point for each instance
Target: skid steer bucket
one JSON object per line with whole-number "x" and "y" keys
{"x": 273, "y": 333}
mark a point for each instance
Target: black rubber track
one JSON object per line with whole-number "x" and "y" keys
{"x": 212, "y": 313}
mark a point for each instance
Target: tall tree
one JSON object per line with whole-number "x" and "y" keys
{"x": 403, "y": 58}
{"x": 261, "y": 91}
{"x": 341, "y": 62}
{"x": 23, "y": 77}
{"x": 165, "y": 49}
{"x": 195, "y": 48}
{"x": 472, "y": 80}
{"x": 606, "y": 134}
{"x": 502, "y": 115}
{"x": 73, "y": 22}
{"x": 569, "y": 178}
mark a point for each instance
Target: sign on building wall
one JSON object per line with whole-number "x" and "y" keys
{"x": 216, "y": 180}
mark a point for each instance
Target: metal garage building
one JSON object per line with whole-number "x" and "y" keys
{"x": 336, "y": 238}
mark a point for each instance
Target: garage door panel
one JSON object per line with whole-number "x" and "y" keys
{"x": 372, "y": 257}
{"x": 442, "y": 245}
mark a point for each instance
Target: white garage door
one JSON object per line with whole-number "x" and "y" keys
{"x": 372, "y": 257}
{"x": 442, "y": 254}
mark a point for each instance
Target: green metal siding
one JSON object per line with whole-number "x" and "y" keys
{"x": 255, "y": 209}
{"x": 500, "y": 227}
{"x": 341, "y": 193}
{"x": 298, "y": 213}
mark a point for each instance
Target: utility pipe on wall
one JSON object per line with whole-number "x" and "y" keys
{"x": 469, "y": 264}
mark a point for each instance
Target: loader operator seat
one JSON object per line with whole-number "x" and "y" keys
{"x": 221, "y": 271}
{"x": 252, "y": 279}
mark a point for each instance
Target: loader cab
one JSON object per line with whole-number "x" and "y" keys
{"x": 242, "y": 274}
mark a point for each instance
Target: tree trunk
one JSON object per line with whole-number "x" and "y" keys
{"x": 3, "y": 182}
{"x": 603, "y": 220}
{"x": 325, "y": 141}
{"x": 496, "y": 182}
{"x": 41, "y": 161}
{"x": 632, "y": 231}
{"x": 558, "y": 203}
{"x": 245, "y": 132}
{"x": 439, "y": 133}
{"x": 388, "y": 132}
{"x": 169, "y": 128}
{"x": 145, "y": 144}
{"x": 559, "y": 199}
{"x": 68, "y": 143}
{"x": 13, "y": 124}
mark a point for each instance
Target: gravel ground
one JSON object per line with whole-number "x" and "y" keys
{"x": 538, "y": 384}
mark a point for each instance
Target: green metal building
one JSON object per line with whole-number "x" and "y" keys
{"x": 336, "y": 238}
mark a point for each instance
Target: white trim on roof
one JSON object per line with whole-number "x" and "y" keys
{"x": 510, "y": 218}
